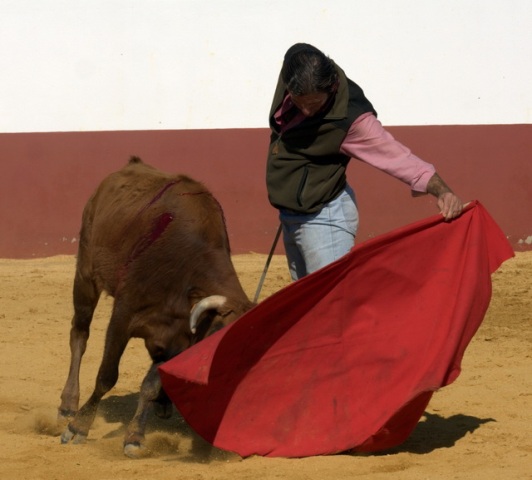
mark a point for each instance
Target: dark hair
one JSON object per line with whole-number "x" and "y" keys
{"x": 308, "y": 70}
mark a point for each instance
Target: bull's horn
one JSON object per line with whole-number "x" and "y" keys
{"x": 208, "y": 303}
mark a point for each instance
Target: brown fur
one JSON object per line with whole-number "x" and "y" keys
{"x": 158, "y": 244}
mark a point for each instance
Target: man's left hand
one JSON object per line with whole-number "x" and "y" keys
{"x": 450, "y": 205}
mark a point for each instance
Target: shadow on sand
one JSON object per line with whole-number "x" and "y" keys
{"x": 121, "y": 409}
{"x": 437, "y": 432}
{"x": 432, "y": 433}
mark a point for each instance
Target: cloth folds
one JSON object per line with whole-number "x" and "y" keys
{"x": 346, "y": 358}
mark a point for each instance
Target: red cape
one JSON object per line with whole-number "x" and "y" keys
{"x": 346, "y": 358}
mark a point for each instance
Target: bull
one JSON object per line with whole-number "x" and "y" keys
{"x": 158, "y": 244}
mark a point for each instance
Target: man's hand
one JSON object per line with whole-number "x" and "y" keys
{"x": 449, "y": 204}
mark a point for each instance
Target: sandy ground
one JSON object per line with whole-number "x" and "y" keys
{"x": 477, "y": 428}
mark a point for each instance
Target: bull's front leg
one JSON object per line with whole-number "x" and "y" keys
{"x": 78, "y": 429}
{"x": 70, "y": 394}
{"x": 149, "y": 394}
{"x": 115, "y": 344}
{"x": 85, "y": 301}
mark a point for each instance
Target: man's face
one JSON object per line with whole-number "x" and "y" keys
{"x": 310, "y": 104}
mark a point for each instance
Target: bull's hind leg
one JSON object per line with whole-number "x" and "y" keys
{"x": 150, "y": 392}
{"x": 85, "y": 296}
{"x": 115, "y": 343}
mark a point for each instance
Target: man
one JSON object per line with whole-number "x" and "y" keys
{"x": 319, "y": 119}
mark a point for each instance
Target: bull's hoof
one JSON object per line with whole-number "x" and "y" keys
{"x": 70, "y": 436}
{"x": 135, "y": 450}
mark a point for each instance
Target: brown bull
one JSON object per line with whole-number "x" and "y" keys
{"x": 158, "y": 244}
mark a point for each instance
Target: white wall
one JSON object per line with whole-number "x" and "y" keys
{"x": 77, "y": 65}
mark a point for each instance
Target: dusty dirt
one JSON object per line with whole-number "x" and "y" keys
{"x": 477, "y": 428}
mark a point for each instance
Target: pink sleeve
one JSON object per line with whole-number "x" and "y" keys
{"x": 369, "y": 142}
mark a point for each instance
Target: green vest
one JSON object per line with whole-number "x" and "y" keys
{"x": 305, "y": 169}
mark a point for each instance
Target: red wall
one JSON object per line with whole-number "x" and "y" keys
{"x": 47, "y": 178}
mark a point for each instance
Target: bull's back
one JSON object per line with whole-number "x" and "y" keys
{"x": 139, "y": 211}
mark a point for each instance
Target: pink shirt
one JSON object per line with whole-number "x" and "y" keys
{"x": 370, "y": 143}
